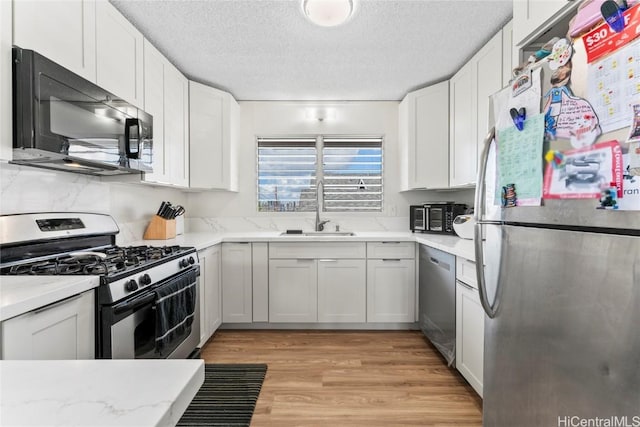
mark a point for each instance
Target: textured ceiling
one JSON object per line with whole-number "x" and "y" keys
{"x": 268, "y": 50}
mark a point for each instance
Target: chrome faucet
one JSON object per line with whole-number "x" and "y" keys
{"x": 319, "y": 224}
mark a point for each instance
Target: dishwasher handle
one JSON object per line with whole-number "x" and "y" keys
{"x": 441, "y": 264}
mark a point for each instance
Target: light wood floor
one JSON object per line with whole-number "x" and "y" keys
{"x": 330, "y": 378}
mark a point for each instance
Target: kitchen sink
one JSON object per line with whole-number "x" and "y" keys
{"x": 321, "y": 234}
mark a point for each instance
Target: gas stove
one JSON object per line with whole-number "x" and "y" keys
{"x": 147, "y": 300}
{"x": 84, "y": 244}
{"x": 109, "y": 262}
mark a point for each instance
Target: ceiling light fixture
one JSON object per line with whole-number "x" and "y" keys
{"x": 327, "y": 13}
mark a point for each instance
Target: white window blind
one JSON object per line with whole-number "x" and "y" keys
{"x": 286, "y": 174}
{"x": 352, "y": 169}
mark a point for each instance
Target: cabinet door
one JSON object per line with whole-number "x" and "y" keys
{"x": 431, "y": 158}
{"x": 176, "y": 118}
{"x": 391, "y": 290}
{"x": 63, "y": 330}
{"x": 119, "y": 54}
{"x": 63, "y": 31}
{"x": 509, "y": 54}
{"x": 154, "y": 65}
{"x": 531, "y": 17}
{"x": 210, "y": 292}
{"x": 293, "y": 290}
{"x": 423, "y": 137}
{"x": 260, "y": 265}
{"x": 488, "y": 68}
{"x": 236, "y": 283}
{"x": 212, "y": 122}
{"x": 342, "y": 290}
{"x": 469, "y": 335}
{"x": 463, "y": 146}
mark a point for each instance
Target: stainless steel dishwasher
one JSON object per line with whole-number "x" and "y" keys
{"x": 437, "y": 300}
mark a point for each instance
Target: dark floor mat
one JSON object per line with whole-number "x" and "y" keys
{"x": 227, "y": 397}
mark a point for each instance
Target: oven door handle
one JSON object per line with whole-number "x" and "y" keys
{"x": 134, "y": 303}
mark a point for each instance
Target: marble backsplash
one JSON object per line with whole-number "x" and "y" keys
{"x": 271, "y": 223}
{"x": 26, "y": 189}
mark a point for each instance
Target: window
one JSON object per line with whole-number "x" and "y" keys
{"x": 351, "y": 171}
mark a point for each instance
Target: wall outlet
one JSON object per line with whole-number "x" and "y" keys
{"x": 393, "y": 211}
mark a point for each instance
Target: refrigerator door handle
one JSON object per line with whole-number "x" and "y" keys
{"x": 482, "y": 173}
{"x": 491, "y": 310}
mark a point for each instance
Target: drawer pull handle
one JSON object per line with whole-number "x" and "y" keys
{"x": 57, "y": 303}
{"x": 328, "y": 260}
{"x": 471, "y": 288}
{"x": 391, "y": 259}
{"x": 390, "y": 243}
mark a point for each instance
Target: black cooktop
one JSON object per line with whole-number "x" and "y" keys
{"x": 109, "y": 262}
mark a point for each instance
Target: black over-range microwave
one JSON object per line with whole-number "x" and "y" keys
{"x": 65, "y": 122}
{"x": 435, "y": 217}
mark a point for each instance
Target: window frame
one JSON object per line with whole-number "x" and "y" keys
{"x": 319, "y": 174}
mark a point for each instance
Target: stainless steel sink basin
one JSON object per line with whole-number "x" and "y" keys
{"x": 321, "y": 234}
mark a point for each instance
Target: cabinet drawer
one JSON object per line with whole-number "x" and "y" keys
{"x": 466, "y": 272}
{"x": 391, "y": 249}
{"x": 333, "y": 250}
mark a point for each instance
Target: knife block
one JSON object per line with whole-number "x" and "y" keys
{"x": 160, "y": 229}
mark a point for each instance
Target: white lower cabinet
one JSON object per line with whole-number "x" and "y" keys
{"x": 342, "y": 290}
{"x": 293, "y": 290}
{"x": 237, "y": 293}
{"x": 391, "y": 288}
{"x": 62, "y": 330}
{"x": 469, "y": 335}
{"x": 210, "y": 292}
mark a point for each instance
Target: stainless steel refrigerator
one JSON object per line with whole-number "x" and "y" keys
{"x": 560, "y": 284}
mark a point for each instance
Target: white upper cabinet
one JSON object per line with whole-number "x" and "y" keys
{"x": 154, "y": 64}
{"x": 488, "y": 78}
{"x": 63, "y": 31}
{"x": 470, "y": 89}
{"x": 213, "y": 126}
{"x": 510, "y": 59}
{"x": 532, "y": 17}
{"x": 424, "y": 138}
{"x": 166, "y": 98}
{"x": 119, "y": 59}
{"x": 176, "y": 126}
{"x": 463, "y": 154}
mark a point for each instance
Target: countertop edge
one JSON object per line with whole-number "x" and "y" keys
{"x": 71, "y": 285}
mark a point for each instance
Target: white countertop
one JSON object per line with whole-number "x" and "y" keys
{"x": 97, "y": 392}
{"x": 201, "y": 240}
{"x": 20, "y": 294}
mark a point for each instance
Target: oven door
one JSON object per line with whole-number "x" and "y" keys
{"x": 436, "y": 219}
{"x": 129, "y": 328}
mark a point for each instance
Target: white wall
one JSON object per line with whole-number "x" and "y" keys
{"x": 28, "y": 189}
{"x": 238, "y": 211}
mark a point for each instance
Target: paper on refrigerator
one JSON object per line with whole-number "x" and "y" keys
{"x": 520, "y": 160}
{"x": 503, "y": 101}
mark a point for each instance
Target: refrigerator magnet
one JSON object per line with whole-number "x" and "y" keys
{"x": 560, "y": 54}
{"x": 609, "y": 197}
{"x": 518, "y": 116}
{"x": 555, "y": 159}
{"x": 509, "y": 196}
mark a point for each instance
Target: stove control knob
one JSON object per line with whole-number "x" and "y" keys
{"x": 184, "y": 263}
{"x": 131, "y": 285}
{"x": 192, "y": 260}
{"x": 145, "y": 280}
